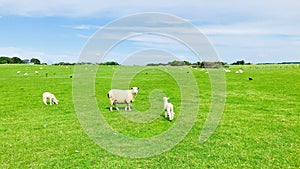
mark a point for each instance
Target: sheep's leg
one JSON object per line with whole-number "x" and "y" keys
{"x": 45, "y": 101}
{"x": 116, "y": 106}
{"x": 128, "y": 106}
{"x": 50, "y": 101}
{"x": 166, "y": 114}
{"x": 112, "y": 102}
{"x": 110, "y": 106}
{"x": 169, "y": 114}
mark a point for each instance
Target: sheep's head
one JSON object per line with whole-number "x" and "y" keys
{"x": 165, "y": 99}
{"x": 55, "y": 100}
{"x": 134, "y": 90}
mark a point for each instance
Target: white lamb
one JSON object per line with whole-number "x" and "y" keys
{"x": 48, "y": 95}
{"x": 168, "y": 107}
{"x": 36, "y": 72}
{"x": 122, "y": 97}
{"x": 18, "y": 72}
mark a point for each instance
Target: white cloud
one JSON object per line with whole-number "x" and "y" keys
{"x": 83, "y": 27}
{"x": 194, "y": 9}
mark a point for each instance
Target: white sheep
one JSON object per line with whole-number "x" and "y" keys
{"x": 48, "y": 95}
{"x": 227, "y": 70}
{"x": 18, "y": 72}
{"x": 122, "y": 97}
{"x": 25, "y": 74}
{"x": 168, "y": 107}
{"x": 36, "y": 72}
{"x": 239, "y": 71}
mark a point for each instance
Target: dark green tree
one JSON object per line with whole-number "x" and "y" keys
{"x": 16, "y": 60}
{"x": 239, "y": 62}
{"x": 35, "y": 61}
{"x": 4, "y": 60}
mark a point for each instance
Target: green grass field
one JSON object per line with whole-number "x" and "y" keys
{"x": 259, "y": 127}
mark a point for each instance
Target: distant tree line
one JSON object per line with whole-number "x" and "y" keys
{"x": 86, "y": 63}
{"x": 109, "y": 63}
{"x": 240, "y": 62}
{"x": 64, "y": 63}
{"x": 17, "y": 60}
{"x": 203, "y": 64}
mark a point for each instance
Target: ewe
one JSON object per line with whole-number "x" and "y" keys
{"x": 122, "y": 96}
{"x": 168, "y": 107}
{"x": 48, "y": 95}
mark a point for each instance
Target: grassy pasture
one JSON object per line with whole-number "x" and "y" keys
{"x": 259, "y": 127}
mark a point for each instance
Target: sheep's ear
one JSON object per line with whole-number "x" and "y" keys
{"x": 138, "y": 88}
{"x": 131, "y": 88}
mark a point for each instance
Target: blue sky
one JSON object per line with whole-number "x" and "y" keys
{"x": 256, "y": 31}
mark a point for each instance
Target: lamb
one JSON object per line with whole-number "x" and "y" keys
{"x": 48, "y": 95}
{"x": 25, "y": 74}
{"x": 168, "y": 107}
{"x": 122, "y": 96}
{"x": 18, "y": 72}
{"x": 36, "y": 72}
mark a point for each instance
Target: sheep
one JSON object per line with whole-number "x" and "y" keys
{"x": 168, "y": 107}
{"x": 48, "y": 95}
{"x": 227, "y": 70}
{"x": 36, "y": 72}
{"x": 122, "y": 96}
{"x": 239, "y": 71}
{"x": 18, "y": 72}
{"x": 25, "y": 74}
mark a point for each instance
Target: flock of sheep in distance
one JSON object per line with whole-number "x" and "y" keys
{"x": 118, "y": 96}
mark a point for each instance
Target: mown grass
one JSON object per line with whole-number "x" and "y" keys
{"x": 259, "y": 127}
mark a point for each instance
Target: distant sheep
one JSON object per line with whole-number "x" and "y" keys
{"x": 239, "y": 71}
{"x": 48, "y": 95}
{"x": 122, "y": 97}
{"x": 18, "y": 72}
{"x": 168, "y": 107}
{"x": 36, "y": 72}
{"x": 227, "y": 70}
{"x": 25, "y": 74}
